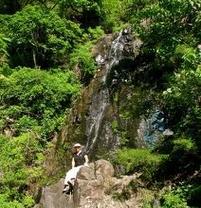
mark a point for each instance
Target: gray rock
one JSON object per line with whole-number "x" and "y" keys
{"x": 52, "y": 197}
{"x": 90, "y": 190}
{"x": 168, "y": 132}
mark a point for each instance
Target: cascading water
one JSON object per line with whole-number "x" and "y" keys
{"x": 100, "y": 100}
{"x": 115, "y": 54}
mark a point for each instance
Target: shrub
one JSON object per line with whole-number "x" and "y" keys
{"x": 182, "y": 161}
{"x": 38, "y": 42}
{"x": 184, "y": 144}
{"x": 183, "y": 97}
{"x": 95, "y": 33}
{"x": 6, "y": 203}
{"x": 83, "y": 60}
{"x": 111, "y": 13}
{"x": 188, "y": 55}
{"x": 172, "y": 199}
{"x": 20, "y": 165}
{"x": 141, "y": 160}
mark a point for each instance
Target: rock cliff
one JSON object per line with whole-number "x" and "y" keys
{"x": 92, "y": 115}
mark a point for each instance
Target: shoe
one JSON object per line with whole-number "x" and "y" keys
{"x": 66, "y": 189}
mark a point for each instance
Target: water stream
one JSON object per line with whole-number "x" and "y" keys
{"x": 100, "y": 100}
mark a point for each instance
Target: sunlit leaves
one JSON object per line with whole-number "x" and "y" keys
{"x": 3, "y": 49}
{"x": 32, "y": 97}
{"x": 82, "y": 59}
{"x": 183, "y": 101}
{"x": 18, "y": 157}
{"x": 40, "y": 38}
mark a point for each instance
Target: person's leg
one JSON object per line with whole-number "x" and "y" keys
{"x": 66, "y": 188}
{"x": 70, "y": 179}
{"x": 69, "y": 175}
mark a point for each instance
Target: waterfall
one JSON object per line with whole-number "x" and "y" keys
{"x": 115, "y": 54}
{"x": 100, "y": 100}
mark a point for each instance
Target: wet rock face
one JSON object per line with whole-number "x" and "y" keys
{"x": 90, "y": 121}
{"x": 98, "y": 126}
{"x": 93, "y": 188}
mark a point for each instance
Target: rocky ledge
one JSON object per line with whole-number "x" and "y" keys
{"x": 95, "y": 187}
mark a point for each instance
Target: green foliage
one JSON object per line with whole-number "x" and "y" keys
{"x": 183, "y": 159}
{"x": 141, "y": 160}
{"x": 174, "y": 198}
{"x": 46, "y": 34}
{"x": 114, "y": 125}
{"x": 168, "y": 197}
{"x": 82, "y": 59}
{"x": 188, "y": 55}
{"x": 111, "y": 12}
{"x": 87, "y": 12}
{"x": 28, "y": 201}
{"x": 6, "y": 203}
{"x": 11, "y": 7}
{"x": 95, "y": 33}
{"x": 183, "y": 97}
{"x": 184, "y": 144}
{"x": 38, "y": 42}
{"x": 36, "y": 99}
{"x": 164, "y": 26}
{"x": 20, "y": 165}
{"x": 3, "y": 49}
{"x": 116, "y": 14}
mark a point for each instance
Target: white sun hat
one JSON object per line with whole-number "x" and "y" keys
{"x": 77, "y": 145}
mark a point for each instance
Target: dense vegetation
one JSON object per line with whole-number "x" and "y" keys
{"x": 45, "y": 60}
{"x": 169, "y": 29}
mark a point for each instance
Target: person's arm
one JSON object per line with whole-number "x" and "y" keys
{"x": 73, "y": 162}
{"x": 86, "y": 160}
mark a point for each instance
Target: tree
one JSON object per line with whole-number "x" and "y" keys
{"x": 20, "y": 164}
{"x": 35, "y": 100}
{"x": 38, "y": 42}
{"x": 183, "y": 97}
{"x": 86, "y": 12}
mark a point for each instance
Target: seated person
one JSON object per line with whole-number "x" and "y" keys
{"x": 79, "y": 159}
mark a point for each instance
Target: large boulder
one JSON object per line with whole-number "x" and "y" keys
{"x": 52, "y": 197}
{"x": 104, "y": 168}
{"x": 94, "y": 187}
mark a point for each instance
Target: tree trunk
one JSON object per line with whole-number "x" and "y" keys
{"x": 34, "y": 58}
